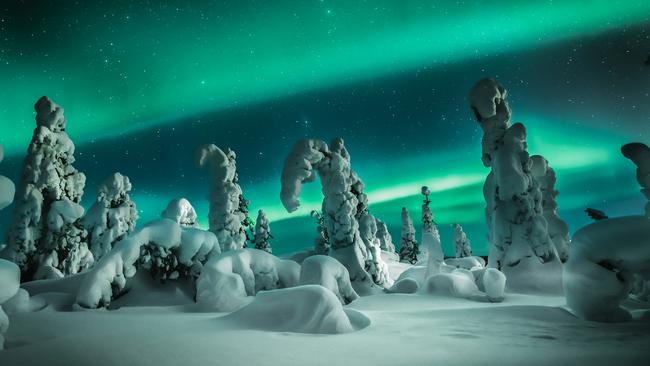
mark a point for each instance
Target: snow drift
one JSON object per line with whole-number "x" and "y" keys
{"x": 329, "y": 273}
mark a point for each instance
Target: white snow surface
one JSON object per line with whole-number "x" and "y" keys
{"x": 228, "y": 279}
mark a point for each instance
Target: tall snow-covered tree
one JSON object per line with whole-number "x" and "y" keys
{"x": 385, "y": 239}
{"x": 462, "y": 244}
{"x": 262, "y": 232}
{"x": 226, "y": 215}
{"x": 341, "y": 199}
{"x": 112, "y": 216}
{"x": 46, "y": 230}
{"x": 408, "y": 251}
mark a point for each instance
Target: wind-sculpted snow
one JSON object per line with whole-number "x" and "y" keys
{"x": 189, "y": 246}
{"x": 112, "y": 216}
{"x": 47, "y": 176}
{"x": 303, "y": 309}
{"x": 329, "y": 273}
{"x": 228, "y": 279}
{"x": 9, "y": 285}
{"x": 225, "y": 217}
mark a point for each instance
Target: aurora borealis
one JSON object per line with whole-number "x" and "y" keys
{"x": 144, "y": 83}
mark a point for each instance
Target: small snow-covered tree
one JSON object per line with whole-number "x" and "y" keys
{"x": 112, "y": 216}
{"x": 385, "y": 239}
{"x": 181, "y": 211}
{"x": 558, "y": 230}
{"x": 321, "y": 243}
{"x": 226, "y": 215}
{"x": 262, "y": 233}
{"x": 408, "y": 251}
{"x": 462, "y": 244}
{"x": 45, "y": 229}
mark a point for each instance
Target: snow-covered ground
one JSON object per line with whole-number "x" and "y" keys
{"x": 157, "y": 324}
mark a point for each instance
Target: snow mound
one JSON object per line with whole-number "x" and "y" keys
{"x": 602, "y": 263}
{"x": 466, "y": 262}
{"x": 458, "y": 283}
{"x": 404, "y": 286}
{"x": 9, "y": 280}
{"x": 227, "y": 279}
{"x": 329, "y": 273}
{"x": 303, "y": 309}
{"x": 23, "y": 303}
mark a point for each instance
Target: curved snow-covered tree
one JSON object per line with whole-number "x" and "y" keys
{"x": 112, "y": 216}
{"x": 558, "y": 230}
{"x": 45, "y": 229}
{"x": 225, "y": 216}
{"x": 262, "y": 232}
{"x": 461, "y": 242}
{"x": 385, "y": 239}
{"x": 517, "y": 230}
{"x": 408, "y": 251}
{"x": 309, "y": 158}
{"x": 181, "y": 211}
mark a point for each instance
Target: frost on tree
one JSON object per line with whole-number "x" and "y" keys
{"x": 181, "y": 211}
{"x": 558, "y": 230}
{"x": 385, "y": 239}
{"x": 112, "y": 216}
{"x": 517, "y": 229}
{"x": 322, "y": 242}
{"x": 461, "y": 242}
{"x": 45, "y": 229}
{"x": 340, "y": 188}
{"x": 262, "y": 232}
{"x": 225, "y": 216}
{"x": 408, "y": 251}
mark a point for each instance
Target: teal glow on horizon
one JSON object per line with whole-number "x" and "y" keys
{"x": 116, "y": 76}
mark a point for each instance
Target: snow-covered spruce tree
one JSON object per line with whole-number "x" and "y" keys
{"x": 322, "y": 242}
{"x": 558, "y": 230}
{"x": 517, "y": 229}
{"x": 46, "y": 229}
{"x": 181, "y": 211}
{"x": 430, "y": 236}
{"x": 262, "y": 233}
{"x": 332, "y": 163}
{"x": 461, "y": 242}
{"x": 408, "y": 251}
{"x": 112, "y": 216}
{"x": 385, "y": 239}
{"x": 225, "y": 216}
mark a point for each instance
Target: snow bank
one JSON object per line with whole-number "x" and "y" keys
{"x": 227, "y": 279}
{"x": 303, "y": 309}
{"x": 329, "y": 273}
{"x": 602, "y": 263}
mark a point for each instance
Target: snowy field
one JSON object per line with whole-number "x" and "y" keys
{"x": 160, "y": 325}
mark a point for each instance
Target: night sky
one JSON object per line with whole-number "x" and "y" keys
{"x": 144, "y": 83}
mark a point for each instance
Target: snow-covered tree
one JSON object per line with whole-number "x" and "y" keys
{"x": 374, "y": 263}
{"x": 226, "y": 215}
{"x": 341, "y": 201}
{"x": 462, "y": 244}
{"x": 112, "y": 216}
{"x": 181, "y": 211}
{"x": 45, "y": 229}
{"x": 427, "y": 215}
{"x": 385, "y": 239}
{"x": 7, "y": 188}
{"x": 640, "y": 155}
{"x": 429, "y": 230}
{"x": 558, "y": 230}
{"x": 517, "y": 228}
{"x": 321, "y": 243}
{"x": 408, "y": 251}
{"x": 262, "y": 232}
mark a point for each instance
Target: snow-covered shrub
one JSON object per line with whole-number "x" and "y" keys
{"x": 408, "y": 251}
{"x": 47, "y": 177}
{"x": 225, "y": 216}
{"x": 608, "y": 256}
{"x": 462, "y": 244}
{"x": 262, "y": 232}
{"x": 558, "y": 230}
{"x": 385, "y": 239}
{"x": 329, "y": 273}
{"x": 112, "y": 216}
{"x": 343, "y": 196}
{"x": 302, "y": 309}
{"x": 190, "y": 247}
{"x": 181, "y": 211}
{"x": 9, "y": 285}
{"x": 517, "y": 228}
{"x": 228, "y": 279}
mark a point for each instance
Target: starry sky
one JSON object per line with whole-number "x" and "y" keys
{"x": 144, "y": 83}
